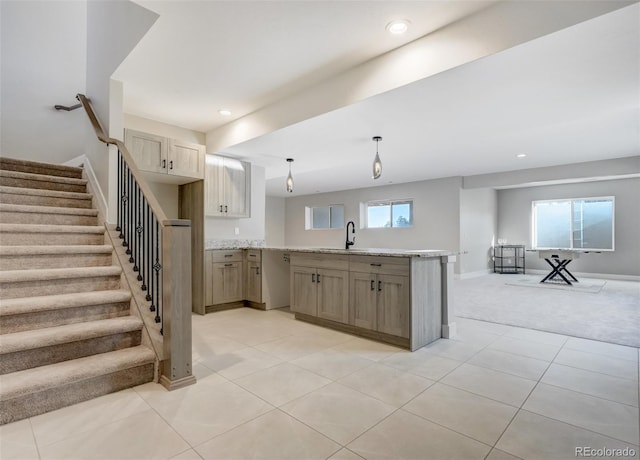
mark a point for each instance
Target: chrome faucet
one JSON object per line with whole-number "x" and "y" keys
{"x": 353, "y": 232}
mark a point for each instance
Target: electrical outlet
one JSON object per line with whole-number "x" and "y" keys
{"x": 236, "y": 230}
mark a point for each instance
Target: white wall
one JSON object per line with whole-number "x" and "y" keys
{"x": 43, "y": 63}
{"x": 514, "y": 223}
{"x": 275, "y": 217}
{"x": 436, "y": 208}
{"x": 113, "y": 30}
{"x": 478, "y": 229}
{"x": 253, "y": 228}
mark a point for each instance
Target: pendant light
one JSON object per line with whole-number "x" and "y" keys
{"x": 290, "y": 178}
{"x": 377, "y": 164}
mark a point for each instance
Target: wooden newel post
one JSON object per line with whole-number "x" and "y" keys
{"x": 448, "y": 310}
{"x": 176, "y": 371}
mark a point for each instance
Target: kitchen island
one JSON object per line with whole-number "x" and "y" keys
{"x": 402, "y": 297}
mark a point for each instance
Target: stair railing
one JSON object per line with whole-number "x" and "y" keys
{"x": 160, "y": 251}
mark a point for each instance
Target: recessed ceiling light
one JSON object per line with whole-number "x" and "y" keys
{"x": 521, "y": 155}
{"x": 224, "y": 112}
{"x": 398, "y": 26}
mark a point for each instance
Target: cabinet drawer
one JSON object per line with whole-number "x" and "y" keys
{"x": 254, "y": 255}
{"x": 231, "y": 255}
{"x": 377, "y": 264}
{"x": 329, "y": 261}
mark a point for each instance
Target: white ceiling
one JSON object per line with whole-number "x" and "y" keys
{"x": 201, "y": 56}
{"x": 571, "y": 96}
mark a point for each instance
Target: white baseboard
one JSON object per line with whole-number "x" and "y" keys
{"x": 465, "y": 276}
{"x": 604, "y": 276}
{"x": 99, "y": 199}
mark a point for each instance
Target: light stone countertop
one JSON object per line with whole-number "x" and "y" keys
{"x": 244, "y": 244}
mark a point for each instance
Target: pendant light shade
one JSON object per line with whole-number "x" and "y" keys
{"x": 377, "y": 164}
{"x": 290, "y": 177}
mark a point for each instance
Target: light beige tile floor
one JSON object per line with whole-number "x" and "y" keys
{"x": 270, "y": 387}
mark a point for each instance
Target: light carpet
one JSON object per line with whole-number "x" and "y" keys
{"x": 612, "y": 315}
{"x": 589, "y": 286}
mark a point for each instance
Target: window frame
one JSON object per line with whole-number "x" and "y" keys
{"x": 390, "y": 202}
{"x": 309, "y": 217}
{"x": 534, "y": 236}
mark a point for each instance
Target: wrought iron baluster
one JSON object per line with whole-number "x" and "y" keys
{"x": 143, "y": 246}
{"x": 157, "y": 267}
{"x": 125, "y": 207}
{"x": 149, "y": 254}
{"x": 136, "y": 251}
{"x": 119, "y": 221}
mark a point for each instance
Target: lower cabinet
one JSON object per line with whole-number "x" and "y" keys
{"x": 320, "y": 287}
{"x": 365, "y": 293}
{"x": 380, "y": 303}
{"x": 253, "y": 282}
{"x": 223, "y": 277}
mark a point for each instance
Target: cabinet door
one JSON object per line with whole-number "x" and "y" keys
{"x": 208, "y": 277}
{"x": 333, "y": 295}
{"x": 237, "y": 180}
{"x": 303, "y": 290}
{"x": 393, "y": 305}
{"x": 186, "y": 159}
{"x": 227, "y": 282}
{"x": 213, "y": 177}
{"x": 148, "y": 151}
{"x": 362, "y": 301}
{"x": 253, "y": 286}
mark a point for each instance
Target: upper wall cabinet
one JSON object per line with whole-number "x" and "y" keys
{"x": 177, "y": 160}
{"x": 227, "y": 185}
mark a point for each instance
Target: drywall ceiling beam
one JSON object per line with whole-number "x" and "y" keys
{"x": 497, "y": 28}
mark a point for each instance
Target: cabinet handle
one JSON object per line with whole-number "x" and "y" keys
{"x": 318, "y": 279}
{"x": 171, "y": 164}
{"x": 220, "y": 208}
{"x": 379, "y": 286}
{"x": 257, "y": 270}
{"x": 228, "y": 265}
{"x": 252, "y": 255}
{"x": 376, "y": 265}
{"x": 164, "y": 164}
{"x": 373, "y": 285}
{"x": 228, "y": 255}
{"x": 313, "y": 277}
{"x": 225, "y": 208}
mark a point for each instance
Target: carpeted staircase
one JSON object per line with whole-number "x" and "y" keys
{"x": 66, "y": 331}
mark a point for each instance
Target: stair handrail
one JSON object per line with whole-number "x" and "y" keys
{"x": 160, "y": 251}
{"x": 142, "y": 183}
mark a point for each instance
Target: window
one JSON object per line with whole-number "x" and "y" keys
{"x": 389, "y": 213}
{"x": 323, "y": 217}
{"x": 583, "y": 223}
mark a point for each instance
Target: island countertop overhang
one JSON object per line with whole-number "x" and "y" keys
{"x": 383, "y": 252}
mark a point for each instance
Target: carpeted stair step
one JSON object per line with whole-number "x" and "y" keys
{"x": 40, "y": 197}
{"x": 40, "y": 282}
{"x": 29, "y": 313}
{"x": 25, "y": 234}
{"x": 51, "y": 215}
{"x": 35, "y": 167}
{"x": 35, "y": 257}
{"x": 42, "y": 389}
{"x": 41, "y": 347}
{"x": 42, "y": 181}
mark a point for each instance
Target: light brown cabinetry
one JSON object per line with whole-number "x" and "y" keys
{"x": 379, "y": 294}
{"x": 320, "y": 286}
{"x": 227, "y": 187}
{"x": 173, "y": 158}
{"x": 223, "y": 277}
{"x": 253, "y": 276}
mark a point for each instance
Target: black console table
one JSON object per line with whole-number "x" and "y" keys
{"x": 508, "y": 258}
